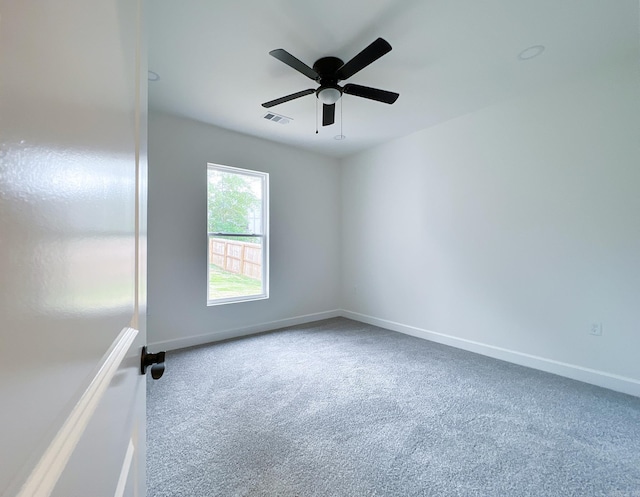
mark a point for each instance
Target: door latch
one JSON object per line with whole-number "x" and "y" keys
{"x": 156, "y": 361}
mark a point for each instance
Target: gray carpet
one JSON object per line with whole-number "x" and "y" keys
{"x": 340, "y": 408}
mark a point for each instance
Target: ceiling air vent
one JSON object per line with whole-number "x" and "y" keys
{"x": 277, "y": 118}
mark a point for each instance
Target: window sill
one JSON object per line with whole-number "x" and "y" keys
{"x": 236, "y": 300}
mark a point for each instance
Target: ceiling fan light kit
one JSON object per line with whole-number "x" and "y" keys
{"x": 328, "y": 71}
{"x": 328, "y": 96}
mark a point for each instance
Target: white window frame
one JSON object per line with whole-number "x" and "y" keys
{"x": 265, "y": 236}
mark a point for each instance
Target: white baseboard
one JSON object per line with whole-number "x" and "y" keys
{"x": 216, "y": 336}
{"x": 592, "y": 376}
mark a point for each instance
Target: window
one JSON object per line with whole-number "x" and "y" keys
{"x": 238, "y": 226}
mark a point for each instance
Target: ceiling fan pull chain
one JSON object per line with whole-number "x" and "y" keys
{"x": 316, "y": 116}
{"x": 341, "y": 133}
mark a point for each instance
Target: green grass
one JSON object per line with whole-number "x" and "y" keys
{"x": 223, "y": 284}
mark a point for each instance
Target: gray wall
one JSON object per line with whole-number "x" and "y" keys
{"x": 509, "y": 230}
{"x": 305, "y": 230}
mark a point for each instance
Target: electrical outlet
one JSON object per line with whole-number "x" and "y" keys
{"x": 596, "y": 329}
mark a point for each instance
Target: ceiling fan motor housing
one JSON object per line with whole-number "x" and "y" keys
{"x": 326, "y": 67}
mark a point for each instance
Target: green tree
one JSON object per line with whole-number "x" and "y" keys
{"x": 230, "y": 198}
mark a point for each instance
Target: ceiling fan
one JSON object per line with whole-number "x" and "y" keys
{"x": 327, "y": 71}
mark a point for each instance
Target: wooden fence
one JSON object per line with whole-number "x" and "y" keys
{"x": 236, "y": 257}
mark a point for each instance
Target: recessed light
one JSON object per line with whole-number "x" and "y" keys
{"x": 531, "y": 52}
{"x": 153, "y": 76}
{"x": 339, "y": 137}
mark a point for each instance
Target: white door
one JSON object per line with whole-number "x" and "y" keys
{"x": 72, "y": 247}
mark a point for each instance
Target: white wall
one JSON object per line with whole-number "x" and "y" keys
{"x": 305, "y": 230}
{"x": 507, "y": 231}
{"x": 515, "y": 227}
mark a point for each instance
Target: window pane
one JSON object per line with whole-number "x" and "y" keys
{"x": 235, "y": 268}
{"x": 235, "y": 202}
{"x": 236, "y": 205}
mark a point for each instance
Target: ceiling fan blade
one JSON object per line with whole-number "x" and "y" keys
{"x": 372, "y": 53}
{"x": 328, "y": 114}
{"x": 284, "y": 56}
{"x": 388, "y": 97}
{"x": 293, "y": 96}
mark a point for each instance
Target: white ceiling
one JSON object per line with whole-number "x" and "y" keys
{"x": 449, "y": 57}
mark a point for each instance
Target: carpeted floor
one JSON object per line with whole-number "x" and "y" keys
{"x": 338, "y": 408}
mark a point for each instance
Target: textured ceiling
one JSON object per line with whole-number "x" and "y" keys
{"x": 449, "y": 58}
